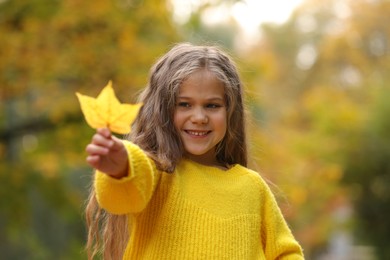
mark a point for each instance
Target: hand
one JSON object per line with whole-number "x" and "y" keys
{"x": 107, "y": 154}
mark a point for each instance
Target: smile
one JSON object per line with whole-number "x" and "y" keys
{"x": 197, "y": 133}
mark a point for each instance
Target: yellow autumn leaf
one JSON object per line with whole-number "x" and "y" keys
{"x": 107, "y": 111}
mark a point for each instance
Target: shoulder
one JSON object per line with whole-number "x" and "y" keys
{"x": 249, "y": 173}
{"x": 262, "y": 189}
{"x": 254, "y": 178}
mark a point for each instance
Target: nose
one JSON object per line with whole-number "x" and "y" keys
{"x": 199, "y": 116}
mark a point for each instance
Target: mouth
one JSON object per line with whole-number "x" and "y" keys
{"x": 197, "y": 133}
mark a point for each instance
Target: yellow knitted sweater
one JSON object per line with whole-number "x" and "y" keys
{"x": 197, "y": 212}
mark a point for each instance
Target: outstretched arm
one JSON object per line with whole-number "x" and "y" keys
{"x": 125, "y": 176}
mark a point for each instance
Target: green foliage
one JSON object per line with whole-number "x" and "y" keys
{"x": 323, "y": 89}
{"x": 50, "y": 50}
{"x": 317, "y": 89}
{"x": 368, "y": 174}
{"x": 196, "y": 30}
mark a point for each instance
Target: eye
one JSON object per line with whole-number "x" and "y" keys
{"x": 212, "y": 105}
{"x": 183, "y": 104}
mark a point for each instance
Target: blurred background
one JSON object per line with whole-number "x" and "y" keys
{"x": 317, "y": 81}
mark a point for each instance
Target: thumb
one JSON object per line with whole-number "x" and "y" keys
{"x": 116, "y": 143}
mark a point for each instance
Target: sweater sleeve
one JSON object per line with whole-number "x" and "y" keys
{"x": 278, "y": 241}
{"x": 131, "y": 193}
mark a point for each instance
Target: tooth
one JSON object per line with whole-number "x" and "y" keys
{"x": 197, "y": 133}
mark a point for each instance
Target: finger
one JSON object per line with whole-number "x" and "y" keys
{"x": 93, "y": 149}
{"x": 116, "y": 144}
{"x": 101, "y": 140}
{"x": 104, "y": 132}
{"x": 93, "y": 160}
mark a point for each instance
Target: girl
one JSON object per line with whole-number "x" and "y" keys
{"x": 179, "y": 188}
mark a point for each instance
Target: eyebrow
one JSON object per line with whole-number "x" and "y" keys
{"x": 208, "y": 99}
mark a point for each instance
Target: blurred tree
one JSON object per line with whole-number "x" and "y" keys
{"x": 368, "y": 175}
{"x": 317, "y": 88}
{"x": 49, "y": 50}
{"x": 318, "y": 75}
{"x": 355, "y": 60}
{"x": 201, "y": 26}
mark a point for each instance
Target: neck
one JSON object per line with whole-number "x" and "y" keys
{"x": 207, "y": 161}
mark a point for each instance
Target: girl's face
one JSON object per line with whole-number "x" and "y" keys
{"x": 200, "y": 116}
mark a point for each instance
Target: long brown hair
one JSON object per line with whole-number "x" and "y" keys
{"x": 154, "y": 131}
